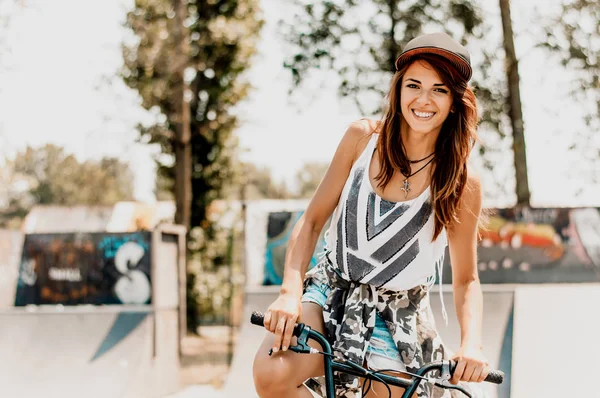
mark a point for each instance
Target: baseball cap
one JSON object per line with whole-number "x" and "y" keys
{"x": 440, "y": 44}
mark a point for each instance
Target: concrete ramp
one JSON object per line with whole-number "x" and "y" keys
{"x": 497, "y": 332}
{"x": 557, "y": 346}
{"x": 79, "y": 352}
{"x": 11, "y": 244}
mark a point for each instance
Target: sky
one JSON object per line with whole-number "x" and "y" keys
{"x": 62, "y": 53}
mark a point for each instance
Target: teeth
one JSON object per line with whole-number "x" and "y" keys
{"x": 423, "y": 114}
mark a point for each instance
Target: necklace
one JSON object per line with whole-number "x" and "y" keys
{"x": 420, "y": 160}
{"x": 406, "y": 187}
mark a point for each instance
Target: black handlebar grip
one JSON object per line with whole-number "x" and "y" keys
{"x": 494, "y": 376}
{"x": 258, "y": 319}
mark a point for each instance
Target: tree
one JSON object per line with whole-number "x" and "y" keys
{"x": 197, "y": 65}
{"x": 48, "y": 175}
{"x": 323, "y": 34}
{"x": 514, "y": 106}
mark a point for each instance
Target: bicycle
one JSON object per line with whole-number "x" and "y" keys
{"x": 332, "y": 363}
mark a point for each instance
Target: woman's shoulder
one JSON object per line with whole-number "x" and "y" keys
{"x": 369, "y": 126}
{"x": 359, "y": 133}
{"x": 362, "y": 128}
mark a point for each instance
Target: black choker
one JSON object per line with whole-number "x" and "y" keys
{"x": 420, "y": 160}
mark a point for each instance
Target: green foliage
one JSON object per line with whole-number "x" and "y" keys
{"x": 48, "y": 175}
{"x": 222, "y": 37}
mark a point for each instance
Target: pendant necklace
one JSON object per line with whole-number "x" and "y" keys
{"x": 406, "y": 187}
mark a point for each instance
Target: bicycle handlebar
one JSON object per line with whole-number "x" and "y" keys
{"x": 494, "y": 376}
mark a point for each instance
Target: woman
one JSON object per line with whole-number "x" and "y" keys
{"x": 401, "y": 192}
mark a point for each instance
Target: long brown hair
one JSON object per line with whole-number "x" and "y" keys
{"x": 452, "y": 148}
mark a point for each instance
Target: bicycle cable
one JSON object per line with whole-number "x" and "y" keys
{"x": 374, "y": 372}
{"x": 361, "y": 369}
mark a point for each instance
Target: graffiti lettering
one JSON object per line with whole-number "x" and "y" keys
{"x": 28, "y": 274}
{"x": 64, "y": 274}
{"x": 538, "y": 216}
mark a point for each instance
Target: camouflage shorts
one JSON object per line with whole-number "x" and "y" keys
{"x": 382, "y": 352}
{"x": 419, "y": 341}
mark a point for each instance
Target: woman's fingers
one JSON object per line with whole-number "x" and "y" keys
{"x": 267, "y": 320}
{"x": 470, "y": 368}
{"x": 279, "y": 329}
{"x": 287, "y": 334}
{"x": 458, "y": 372}
{"x": 476, "y": 374}
{"x": 484, "y": 373}
{"x": 280, "y": 319}
{"x": 471, "y": 371}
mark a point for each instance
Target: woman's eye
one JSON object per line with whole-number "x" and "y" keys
{"x": 441, "y": 90}
{"x": 412, "y": 86}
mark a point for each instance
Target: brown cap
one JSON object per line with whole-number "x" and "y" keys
{"x": 440, "y": 44}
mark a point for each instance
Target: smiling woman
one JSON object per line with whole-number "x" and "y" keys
{"x": 398, "y": 192}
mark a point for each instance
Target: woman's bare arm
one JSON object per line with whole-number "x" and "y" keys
{"x": 468, "y": 298}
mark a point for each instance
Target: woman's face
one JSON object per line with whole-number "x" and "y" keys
{"x": 425, "y": 101}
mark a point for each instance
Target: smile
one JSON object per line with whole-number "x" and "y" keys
{"x": 423, "y": 115}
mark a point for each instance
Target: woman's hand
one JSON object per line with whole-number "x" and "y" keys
{"x": 471, "y": 365}
{"x": 281, "y": 318}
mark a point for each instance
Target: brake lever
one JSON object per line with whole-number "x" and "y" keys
{"x": 301, "y": 346}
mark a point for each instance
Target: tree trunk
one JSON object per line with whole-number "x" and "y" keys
{"x": 183, "y": 150}
{"x": 515, "y": 110}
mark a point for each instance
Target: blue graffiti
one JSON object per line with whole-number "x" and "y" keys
{"x": 111, "y": 244}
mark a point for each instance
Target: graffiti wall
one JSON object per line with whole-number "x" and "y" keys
{"x": 85, "y": 268}
{"x": 525, "y": 245}
{"x": 279, "y": 229}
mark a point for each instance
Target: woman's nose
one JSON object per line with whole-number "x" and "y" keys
{"x": 423, "y": 98}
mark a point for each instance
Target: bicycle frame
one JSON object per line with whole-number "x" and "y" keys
{"x": 330, "y": 366}
{"x": 304, "y": 333}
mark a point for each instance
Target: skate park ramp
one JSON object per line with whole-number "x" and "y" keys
{"x": 11, "y": 243}
{"x": 61, "y": 338}
{"x": 556, "y": 347}
{"x": 74, "y": 352}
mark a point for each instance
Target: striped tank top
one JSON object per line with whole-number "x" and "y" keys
{"x": 382, "y": 243}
